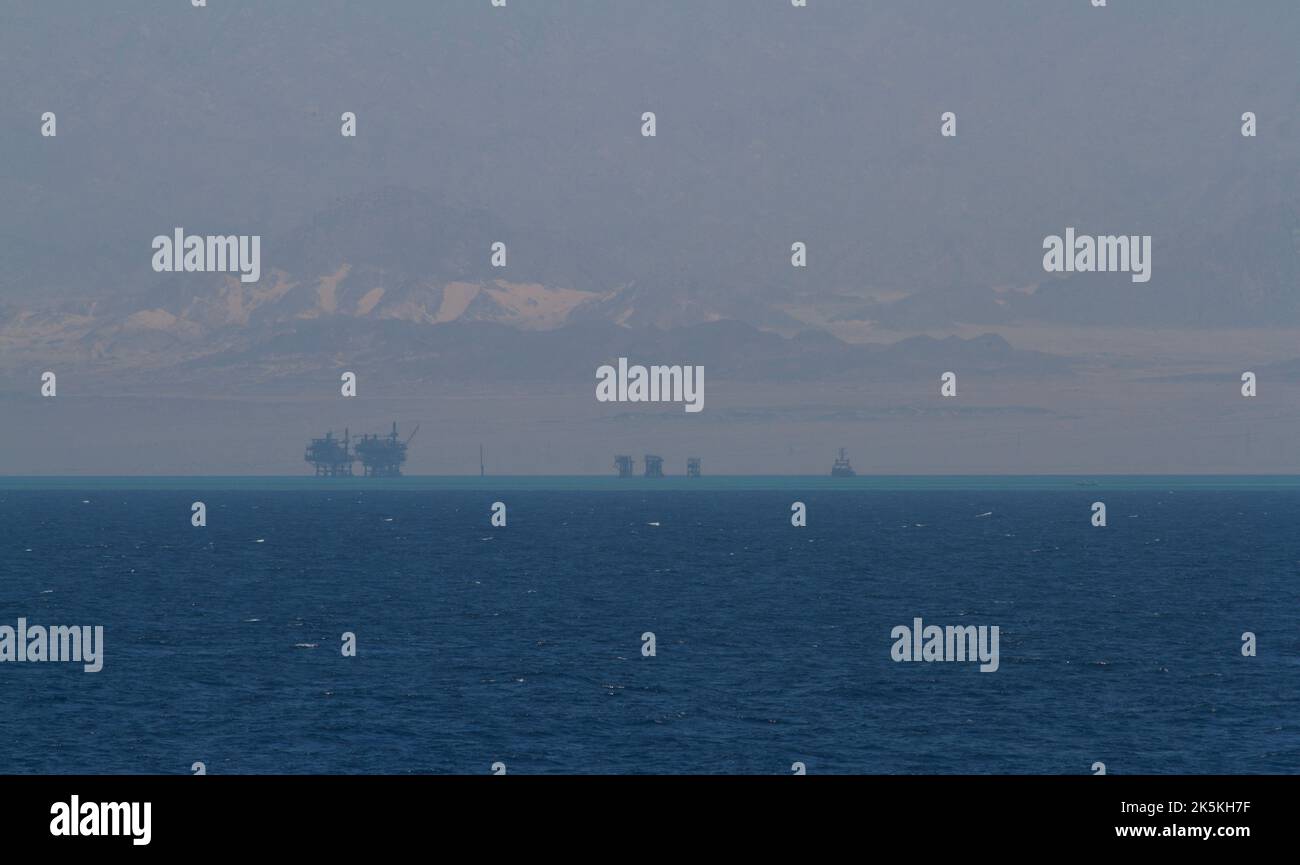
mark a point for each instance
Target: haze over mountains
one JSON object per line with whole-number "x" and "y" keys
{"x": 394, "y": 282}
{"x": 775, "y": 125}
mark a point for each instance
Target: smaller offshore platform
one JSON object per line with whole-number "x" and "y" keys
{"x": 654, "y": 466}
{"x": 380, "y": 455}
{"x": 332, "y": 457}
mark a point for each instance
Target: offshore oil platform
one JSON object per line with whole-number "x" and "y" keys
{"x": 654, "y": 466}
{"x": 381, "y": 456}
{"x": 332, "y": 457}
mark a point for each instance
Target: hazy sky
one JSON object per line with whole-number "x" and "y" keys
{"x": 774, "y": 125}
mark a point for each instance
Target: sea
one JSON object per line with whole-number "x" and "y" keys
{"x": 525, "y": 648}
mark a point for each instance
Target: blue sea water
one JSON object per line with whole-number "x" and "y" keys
{"x": 522, "y": 644}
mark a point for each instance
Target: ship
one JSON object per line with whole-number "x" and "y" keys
{"x": 381, "y": 456}
{"x": 842, "y": 469}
